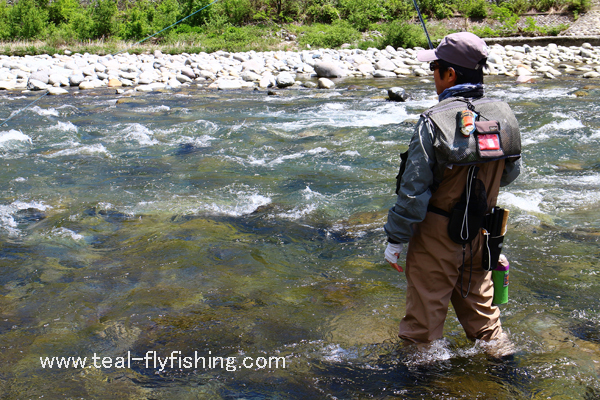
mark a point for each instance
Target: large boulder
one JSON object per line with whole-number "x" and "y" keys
{"x": 328, "y": 70}
{"x": 385, "y": 65}
{"x": 76, "y": 79}
{"x": 41, "y": 76}
{"x": 34, "y": 84}
{"x": 285, "y": 79}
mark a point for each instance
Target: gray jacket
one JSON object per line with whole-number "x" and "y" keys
{"x": 417, "y": 181}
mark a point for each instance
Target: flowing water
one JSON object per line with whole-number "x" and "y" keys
{"x": 236, "y": 224}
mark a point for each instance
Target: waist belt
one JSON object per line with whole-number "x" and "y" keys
{"x": 438, "y": 211}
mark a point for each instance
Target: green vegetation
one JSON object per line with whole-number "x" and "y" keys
{"x": 240, "y": 25}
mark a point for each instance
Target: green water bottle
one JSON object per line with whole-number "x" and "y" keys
{"x": 500, "y": 279}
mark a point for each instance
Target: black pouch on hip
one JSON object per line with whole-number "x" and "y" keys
{"x": 467, "y": 216}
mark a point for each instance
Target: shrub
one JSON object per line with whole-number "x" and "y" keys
{"x": 82, "y": 24}
{"x": 322, "y": 11}
{"x": 474, "y": 8}
{"x": 193, "y": 6}
{"x": 403, "y": 34}
{"x": 330, "y": 36}
{"x": 4, "y": 21}
{"x": 439, "y": 9}
{"x": 579, "y": 6}
{"x": 237, "y": 11}
{"x": 27, "y": 19}
{"x": 167, "y": 13}
{"x": 104, "y": 16}
{"x": 60, "y": 11}
{"x": 361, "y": 13}
{"x": 399, "y": 9}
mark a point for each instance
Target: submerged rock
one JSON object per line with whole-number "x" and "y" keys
{"x": 397, "y": 94}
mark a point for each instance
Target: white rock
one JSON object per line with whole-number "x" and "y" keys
{"x": 250, "y": 76}
{"x": 174, "y": 83}
{"x": 329, "y": 70}
{"x": 265, "y": 82}
{"x": 325, "y": 83}
{"x": 7, "y": 85}
{"x": 57, "y": 91}
{"x": 420, "y": 72}
{"x": 592, "y": 74}
{"x": 85, "y": 85}
{"x": 383, "y": 74}
{"x": 366, "y": 69}
{"x": 144, "y": 88}
{"x": 128, "y": 75}
{"x": 183, "y": 78}
{"x": 75, "y": 79}
{"x": 285, "y": 79}
{"x": 34, "y": 84}
{"x": 157, "y": 86}
{"x": 385, "y": 65}
{"x": 522, "y": 71}
{"x": 402, "y": 71}
{"x": 229, "y": 84}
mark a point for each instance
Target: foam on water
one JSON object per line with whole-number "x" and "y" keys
{"x": 552, "y": 129}
{"x": 526, "y": 92}
{"x": 44, "y": 112}
{"x": 66, "y": 233}
{"x": 202, "y": 141}
{"x": 12, "y": 136}
{"x": 346, "y": 115}
{"x": 66, "y": 126}
{"x": 313, "y": 199}
{"x": 152, "y": 109}
{"x": 7, "y": 214}
{"x": 140, "y": 134}
{"x": 92, "y": 150}
{"x": 526, "y": 201}
{"x": 244, "y": 204}
{"x": 266, "y": 161}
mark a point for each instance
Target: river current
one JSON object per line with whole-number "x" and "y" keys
{"x": 249, "y": 227}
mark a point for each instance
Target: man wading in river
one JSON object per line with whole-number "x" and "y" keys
{"x": 463, "y": 149}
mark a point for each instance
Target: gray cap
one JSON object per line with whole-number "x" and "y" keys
{"x": 463, "y": 49}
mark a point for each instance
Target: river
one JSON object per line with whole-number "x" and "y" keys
{"x": 244, "y": 228}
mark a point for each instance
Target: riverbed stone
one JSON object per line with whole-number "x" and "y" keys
{"x": 592, "y": 74}
{"x": 113, "y": 82}
{"x": 285, "y": 79}
{"x": 385, "y": 65}
{"x": 7, "y": 85}
{"x": 384, "y": 74}
{"x": 328, "y": 70}
{"x": 397, "y": 94}
{"x": 325, "y": 83}
{"x": 226, "y": 84}
{"x": 34, "y": 84}
{"x": 76, "y": 79}
{"x": 55, "y": 91}
{"x": 41, "y": 76}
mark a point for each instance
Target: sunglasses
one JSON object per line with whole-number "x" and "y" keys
{"x": 434, "y": 65}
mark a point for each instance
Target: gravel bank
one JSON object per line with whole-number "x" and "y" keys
{"x": 61, "y": 74}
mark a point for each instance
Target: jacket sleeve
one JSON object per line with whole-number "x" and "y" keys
{"x": 415, "y": 187}
{"x": 512, "y": 169}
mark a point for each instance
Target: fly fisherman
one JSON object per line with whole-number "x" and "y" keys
{"x": 462, "y": 151}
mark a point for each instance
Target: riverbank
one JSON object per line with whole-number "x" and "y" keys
{"x": 62, "y": 74}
